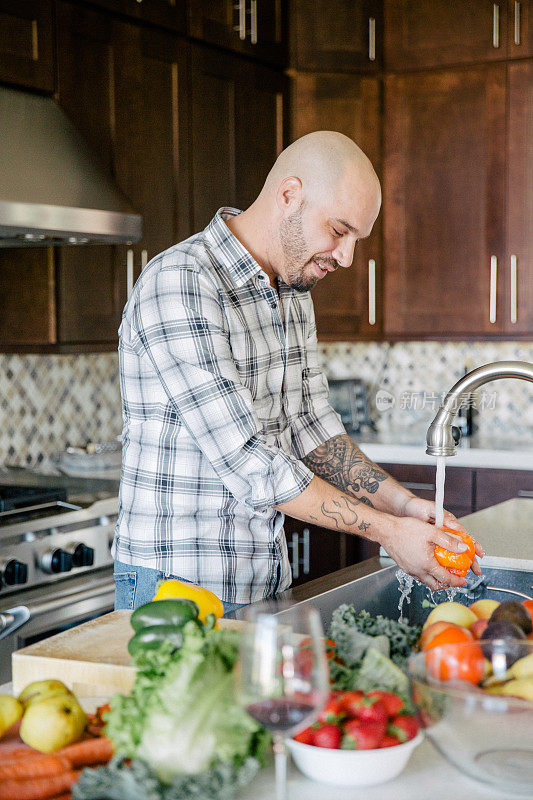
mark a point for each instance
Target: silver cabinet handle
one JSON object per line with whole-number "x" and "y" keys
{"x": 253, "y": 21}
{"x": 371, "y": 292}
{"x": 421, "y": 487}
{"x": 129, "y": 273}
{"x": 295, "y": 558}
{"x": 493, "y": 288}
{"x": 240, "y": 6}
{"x": 514, "y": 306}
{"x": 372, "y": 39}
{"x": 525, "y": 493}
{"x": 517, "y": 20}
{"x": 495, "y": 25}
{"x": 144, "y": 258}
{"x": 306, "y": 548}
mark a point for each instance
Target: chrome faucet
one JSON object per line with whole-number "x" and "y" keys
{"x": 441, "y": 438}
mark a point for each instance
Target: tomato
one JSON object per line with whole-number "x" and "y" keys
{"x": 458, "y": 563}
{"x": 453, "y": 634}
{"x": 464, "y": 662}
{"x": 429, "y": 633}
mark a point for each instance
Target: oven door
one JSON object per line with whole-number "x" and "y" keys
{"x": 28, "y": 617}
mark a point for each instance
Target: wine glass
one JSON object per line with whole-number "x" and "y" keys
{"x": 282, "y": 675}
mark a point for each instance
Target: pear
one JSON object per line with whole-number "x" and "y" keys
{"x": 522, "y": 667}
{"x": 53, "y": 723}
{"x": 39, "y": 690}
{"x": 10, "y": 712}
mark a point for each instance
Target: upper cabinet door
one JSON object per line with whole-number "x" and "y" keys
{"x": 26, "y": 44}
{"x": 149, "y": 143}
{"x": 336, "y": 35}
{"x": 253, "y": 27}
{"x": 444, "y": 202}
{"x": 518, "y": 313}
{"x": 89, "y": 301}
{"x": 520, "y": 27}
{"x": 440, "y": 32}
{"x": 347, "y": 302}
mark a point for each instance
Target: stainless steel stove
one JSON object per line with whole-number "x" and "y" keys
{"x": 56, "y": 568}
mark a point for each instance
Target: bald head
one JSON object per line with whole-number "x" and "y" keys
{"x": 322, "y": 161}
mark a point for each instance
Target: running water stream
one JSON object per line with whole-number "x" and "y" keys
{"x": 439, "y": 491}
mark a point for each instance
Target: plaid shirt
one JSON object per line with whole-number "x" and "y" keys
{"x": 221, "y": 397}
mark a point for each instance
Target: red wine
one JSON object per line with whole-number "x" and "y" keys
{"x": 281, "y": 714}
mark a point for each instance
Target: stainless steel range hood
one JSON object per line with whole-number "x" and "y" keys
{"x": 52, "y": 190}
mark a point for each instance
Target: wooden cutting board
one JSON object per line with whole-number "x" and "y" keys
{"x": 92, "y": 659}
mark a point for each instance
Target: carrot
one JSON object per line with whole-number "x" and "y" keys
{"x": 16, "y": 750}
{"x": 88, "y": 751}
{"x": 36, "y": 765}
{"x": 38, "y": 788}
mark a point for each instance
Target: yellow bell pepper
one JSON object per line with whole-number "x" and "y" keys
{"x": 207, "y": 602}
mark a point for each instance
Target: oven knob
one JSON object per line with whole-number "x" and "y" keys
{"x": 56, "y": 560}
{"x": 14, "y": 572}
{"x": 82, "y": 555}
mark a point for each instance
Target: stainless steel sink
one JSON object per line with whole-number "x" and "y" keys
{"x": 372, "y": 585}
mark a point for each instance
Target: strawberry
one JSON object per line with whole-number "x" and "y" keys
{"x": 305, "y": 737}
{"x": 389, "y": 741}
{"x": 404, "y": 726}
{"x": 370, "y": 709}
{"x": 326, "y": 736}
{"x": 362, "y": 735}
{"x": 332, "y": 712}
{"x": 393, "y": 703}
{"x": 350, "y": 701}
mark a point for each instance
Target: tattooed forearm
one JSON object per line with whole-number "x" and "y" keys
{"x": 340, "y": 462}
{"x": 343, "y": 515}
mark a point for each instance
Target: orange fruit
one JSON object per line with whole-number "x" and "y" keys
{"x": 432, "y": 630}
{"x": 458, "y": 563}
{"x": 453, "y": 634}
{"x": 464, "y": 662}
{"x": 529, "y": 605}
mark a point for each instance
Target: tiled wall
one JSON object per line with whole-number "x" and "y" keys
{"x": 50, "y": 402}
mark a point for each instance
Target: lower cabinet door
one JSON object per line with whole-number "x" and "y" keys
{"x": 497, "y": 485}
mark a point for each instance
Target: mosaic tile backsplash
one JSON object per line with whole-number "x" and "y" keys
{"x": 48, "y": 403}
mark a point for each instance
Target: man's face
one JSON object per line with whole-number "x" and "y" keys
{"x": 317, "y": 238}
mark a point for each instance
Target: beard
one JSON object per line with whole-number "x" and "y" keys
{"x": 295, "y": 252}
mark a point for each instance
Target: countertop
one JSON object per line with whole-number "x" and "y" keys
{"x": 407, "y": 447}
{"x": 505, "y": 532}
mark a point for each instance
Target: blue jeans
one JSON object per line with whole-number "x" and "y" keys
{"x": 135, "y": 586}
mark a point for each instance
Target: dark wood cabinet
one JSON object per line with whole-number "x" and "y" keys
{"x": 520, "y": 28}
{"x": 420, "y": 479}
{"x": 337, "y": 35}
{"x": 348, "y": 304}
{"x": 444, "y": 202}
{"x": 170, "y": 14}
{"x": 517, "y": 274}
{"x": 497, "y": 485}
{"x": 88, "y": 281}
{"x": 253, "y": 27}
{"x": 314, "y": 551}
{"x": 236, "y": 130}
{"x": 27, "y": 44}
{"x": 27, "y": 296}
{"x": 443, "y": 33}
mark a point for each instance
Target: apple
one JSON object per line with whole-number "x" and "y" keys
{"x": 451, "y": 612}
{"x": 432, "y": 630}
{"x": 53, "y": 723}
{"x": 478, "y": 627}
{"x": 10, "y": 712}
{"x": 39, "y": 690}
{"x": 484, "y": 608}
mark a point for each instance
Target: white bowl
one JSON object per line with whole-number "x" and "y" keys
{"x": 352, "y": 767}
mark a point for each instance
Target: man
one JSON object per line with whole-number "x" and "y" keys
{"x": 226, "y": 414}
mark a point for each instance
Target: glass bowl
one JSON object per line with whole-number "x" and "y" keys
{"x": 487, "y": 736}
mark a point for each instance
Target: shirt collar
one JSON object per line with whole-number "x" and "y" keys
{"x": 227, "y": 249}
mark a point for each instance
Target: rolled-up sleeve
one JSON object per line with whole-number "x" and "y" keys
{"x": 317, "y": 421}
{"x": 179, "y": 324}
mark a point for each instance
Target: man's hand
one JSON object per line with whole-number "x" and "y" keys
{"x": 411, "y": 543}
{"x": 425, "y": 510}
